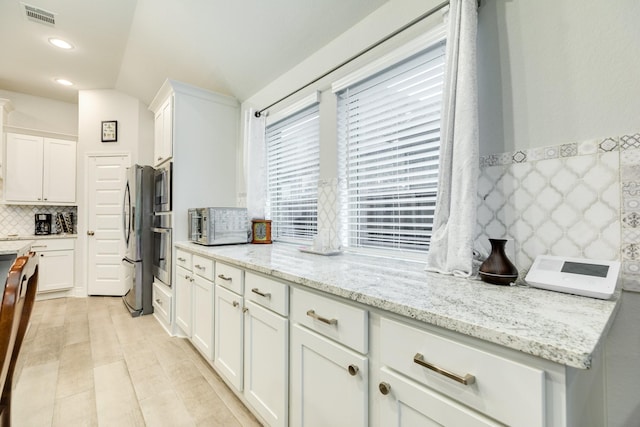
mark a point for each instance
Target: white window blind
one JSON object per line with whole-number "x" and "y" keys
{"x": 389, "y": 136}
{"x": 293, "y": 161}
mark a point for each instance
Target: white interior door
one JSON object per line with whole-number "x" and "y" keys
{"x": 105, "y": 242}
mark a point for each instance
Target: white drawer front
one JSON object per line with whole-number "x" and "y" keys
{"x": 229, "y": 277}
{"x": 203, "y": 267}
{"x": 53, "y": 245}
{"x": 183, "y": 259}
{"x": 162, "y": 303}
{"x": 510, "y": 392}
{"x": 267, "y": 292}
{"x": 339, "y": 321}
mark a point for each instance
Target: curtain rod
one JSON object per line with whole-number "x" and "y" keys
{"x": 362, "y": 52}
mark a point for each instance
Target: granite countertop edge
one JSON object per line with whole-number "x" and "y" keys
{"x": 37, "y": 236}
{"x": 519, "y": 321}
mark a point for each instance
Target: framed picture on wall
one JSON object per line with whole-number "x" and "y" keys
{"x": 110, "y": 131}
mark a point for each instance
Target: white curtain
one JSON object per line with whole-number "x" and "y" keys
{"x": 255, "y": 165}
{"x": 451, "y": 249}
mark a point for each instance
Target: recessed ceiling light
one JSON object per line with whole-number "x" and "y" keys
{"x": 64, "y": 82}
{"x": 62, "y": 44}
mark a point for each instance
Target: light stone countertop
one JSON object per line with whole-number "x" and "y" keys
{"x": 31, "y": 237}
{"x": 563, "y": 328}
{"x": 13, "y": 247}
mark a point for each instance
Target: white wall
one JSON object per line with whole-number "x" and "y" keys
{"x": 45, "y": 114}
{"x": 552, "y": 72}
{"x": 135, "y": 137}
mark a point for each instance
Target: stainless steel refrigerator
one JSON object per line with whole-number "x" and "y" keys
{"x": 137, "y": 220}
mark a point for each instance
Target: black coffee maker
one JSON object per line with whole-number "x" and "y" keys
{"x": 43, "y": 223}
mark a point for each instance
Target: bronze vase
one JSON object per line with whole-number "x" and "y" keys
{"x": 497, "y": 269}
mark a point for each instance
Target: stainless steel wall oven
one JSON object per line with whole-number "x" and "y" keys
{"x": 162, "y": 248}
{"x": 162, "y": 188}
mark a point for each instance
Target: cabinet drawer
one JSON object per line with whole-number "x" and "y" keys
{"x": 183, "y": 259}
{"x": 203, "y": 267}
{"x": 267, "y": 292}
{"x": 53, "y": 245}
{"x": 162, "y": 303}
{"x": 339, "y": 321}
{"x": 229, "y": 277}
{"x": 496, "y": 380}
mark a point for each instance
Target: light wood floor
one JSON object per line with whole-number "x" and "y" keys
{"x": 87, "y": 362}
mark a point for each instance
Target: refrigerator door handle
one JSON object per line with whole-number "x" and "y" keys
{"x": 125, "y": 260}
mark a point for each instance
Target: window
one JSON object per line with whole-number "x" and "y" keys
{"x": 293, "y": 161}
{"x": 389, "y": 142}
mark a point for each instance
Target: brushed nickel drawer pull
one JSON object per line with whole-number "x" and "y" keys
{"x": 312, "y": 313}
{"x": 257, "y": 291}
{"x": 353, "y": 370}
{"x": 223, "y": 277}
{"x": 467, "y": 379}
{"x": 199, "y": 267}
{"x": 181, "y": 259}
{"x": 159, "y": 301}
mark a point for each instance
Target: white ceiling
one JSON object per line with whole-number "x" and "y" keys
{"x": 234, "y": 47}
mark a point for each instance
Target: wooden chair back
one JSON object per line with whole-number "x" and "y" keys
{"x": 15, "y": 311}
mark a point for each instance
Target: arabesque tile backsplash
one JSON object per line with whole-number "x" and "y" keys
{"x": 20, "y": 219}
{"x": 575, "y": 199}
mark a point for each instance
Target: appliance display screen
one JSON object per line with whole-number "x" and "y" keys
{"x": 595, "y": 270}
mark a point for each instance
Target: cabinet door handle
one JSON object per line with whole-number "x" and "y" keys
{"x": 384, "y": 388}
{"x": 257, "y": 291}
{"x": 236, "y": 303}
{"x": 312, "y": 313}
{"x": 223, "y": 277}
{"x": 158, "y": 301}
{"x": 466, "y": 379}
{"x": 90, "y": 233}
{"x": 353, "y": 370}
{"x": 246, "y": 309}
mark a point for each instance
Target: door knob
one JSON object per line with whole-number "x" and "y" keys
{"x": 90, "y": 233}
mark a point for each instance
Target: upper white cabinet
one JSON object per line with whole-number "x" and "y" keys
{"x": 163, "y": 137}
{"x": 40, "y": 170}
{"x": 197, "y": 130}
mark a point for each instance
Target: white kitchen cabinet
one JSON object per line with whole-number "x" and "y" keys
{"x": 329, "y": 366}
{"x": 329, "y": 382}
{"x": 475, "y": 378}
{"x": 55, "y": 264}
{"x": 184, "y": 294}
{"x": 40, "y": 170}
{"x": 406, "y": 403}
{"x": 163, "y": 136}
{"x": 203, "y": 305}
{"x": 266, "y": 348}
{"x": 162, "y": 308}
{"x": 228, "y": 327}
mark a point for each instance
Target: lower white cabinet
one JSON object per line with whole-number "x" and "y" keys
{"x": 184, "y": 294}
{"x": 228, "y": 335}
{"x": 55, "y": 264}
{"x": 329, "y": 382}
{"x": 406, "y": 403}
{"x": 202, "y": 331}
{"x": 266, "y": 367}
{"x": 162, "y": 304}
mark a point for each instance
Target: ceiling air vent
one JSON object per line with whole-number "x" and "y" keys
{"x": 38, "y": 15}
